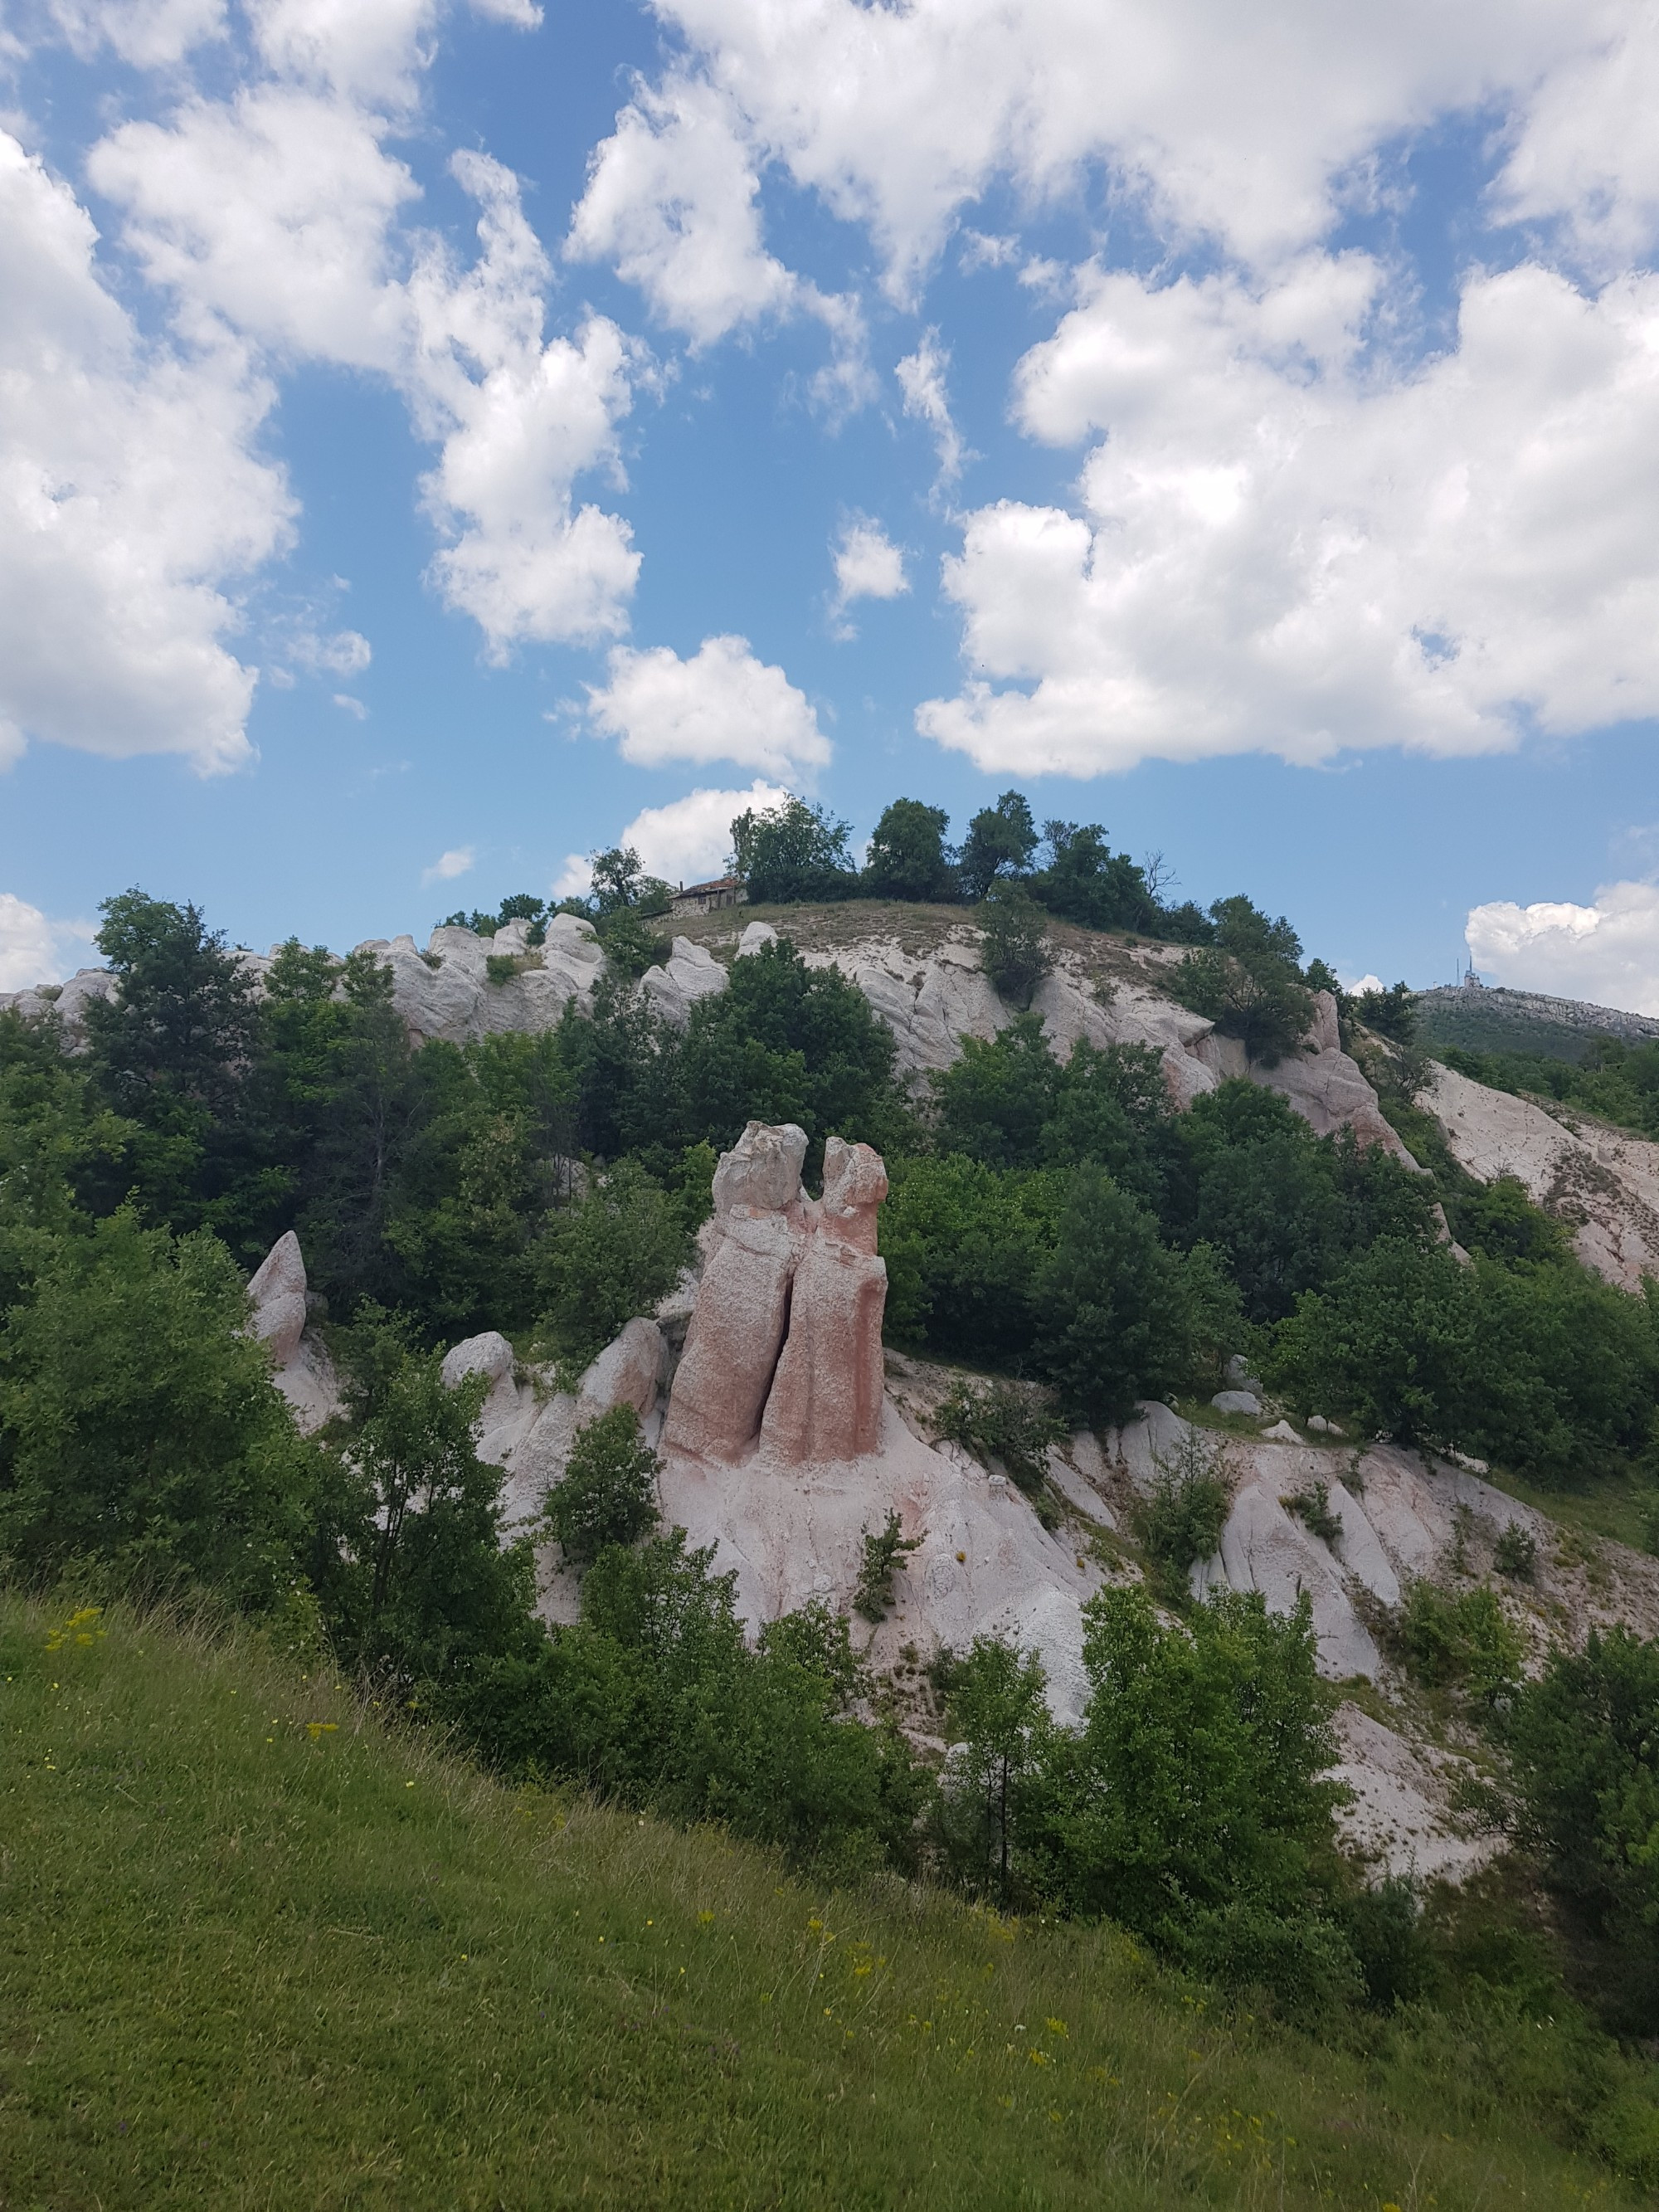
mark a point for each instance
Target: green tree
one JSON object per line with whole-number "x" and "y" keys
{"x": 138, "y": 1425}
{"x": 1112, "y": 1109}
{"x": 1247, "y": 981}
{"x": 1113, "y": 1306}
{"x": 607, "y": 1258}
{"x": 1390, "y": 1344}
{"x": 1000, "y": 841}
{"x": 998, "y": 1715}
{"x": 995, "y": 1102}
{"x": 1085, "y": 882}
{"x": 1583, "y": 1742}
{"x": 608, "y": 1493}
{"x": 1013, "y": 948}
{"x": 409, "y": 1563}
{"x": 1194, "y": 1804}
{"x": 621, "y": 885}
{"x": 966, "y": 1246}
{"x": 792, "y": 852}
{"x": 61, "y": 1149}
{"x": 907, "y": 859}
{"x": 785, "y": 1042}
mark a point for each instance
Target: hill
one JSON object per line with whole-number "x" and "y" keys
{"x": 260, "y": 1951}
{"x": 1498, "y": 1020}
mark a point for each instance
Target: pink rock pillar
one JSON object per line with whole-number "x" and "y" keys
{"x": 742, "y": 1302}
{"x": 825, "y": 1403}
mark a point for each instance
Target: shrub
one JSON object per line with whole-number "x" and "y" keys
{"x": 609, "y": 1492}
{"x": 1180, "y": 1522}
{"x": 139, "y": 1425}
{"x": 1194, "y": 1806}
{"x": 1114, "y": 1307}
{"x": 996, "y": 1712}
{"x": 1466, "y": 1641}
{"x": 1515, "y": 1553}
{"x": 1584, "y": 1746}
{"x": 1312, "y": 1507}
{"x": 999, "y": 1420}
{"x": 883, "y": 1554}
{"x": 1013, "y": 942}
{"x": 1247, "y": 981}
{"x": 631, "y": 946}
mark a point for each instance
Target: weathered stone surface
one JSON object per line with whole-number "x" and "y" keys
{"x": 278, "y": 1292}
{"x": 1236, "y": 1401}
{"x": 761, "y": 1174}
{"x": 488, "y": 1354}
{"x": 1330, "y": 1092}
{"x": 736, "y": 1335}
{"x": 691, "y": 973}
{"x": 627, "y": 1372}
{"x": 826, "y": 1398}
{"x": 1264, "y": 1548}
{"x": 756, "y": 935}
{"x": 1602, "y": 1184}
{"x": 1281, "y": 1432}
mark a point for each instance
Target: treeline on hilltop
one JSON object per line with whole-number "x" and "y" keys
{"x": 1051, "y": 1223}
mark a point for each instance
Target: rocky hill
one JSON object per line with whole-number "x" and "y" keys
{"x": 1494, "y": 1019}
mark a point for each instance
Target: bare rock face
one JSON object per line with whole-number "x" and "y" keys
{"x": 627, "y": 1372}
{"x": 691, "y": 973}
{"x": 784, "y": 1345}
{"x": 1328, "y": 1088}
{"x": 277, "y": 1292}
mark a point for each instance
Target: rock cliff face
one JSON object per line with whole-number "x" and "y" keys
{"x": 1601, "y": 1183}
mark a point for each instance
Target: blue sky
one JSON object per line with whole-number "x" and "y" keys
{"x": 428, "y": 436}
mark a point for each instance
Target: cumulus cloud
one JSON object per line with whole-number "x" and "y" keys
{"x": 1224, "y": 124}
{"x": 1585, "y": 154}
{"x": 345, "y": 653}
{"x": 1606, "y": 953}
{"x": 672, "y": 203}
{"x": 33, "y": 950}
{"x": 722, "y": 704}
{"x": 456, "y": 862}
{"x": 1278, "y": 549}
{"x": 132, "y": 498}
{"x": 149, "y": 33}
{"x": 867, "y": 565}
{"x": 277, "y": 212}
{"x": 691, "y": 838}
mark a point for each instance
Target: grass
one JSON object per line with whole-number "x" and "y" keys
{"x": 259, "y": 1950}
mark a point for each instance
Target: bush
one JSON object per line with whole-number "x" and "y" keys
{"x": 1194, "y": 1806}
{"x": 1312, "y": 1508}
{"x": 609, "y": 1492}
{"x": 1013, "y": 942}
{"x": 1515, "y": 1553}
{"x": 1466, "y": 1642}
{"x": 139, "y": 1425}
{"x": 1114, "y": 1307}
{"x": 999, "y": 1718}
{"x": 1583, "y": 1743}
{"x": 1248, "y": 983}
{"x": 965, "y": 1248}
{"x": 883, "y": 1554}
{"x": 999, "y": 1420}
{"x": 1180, "y": 1522}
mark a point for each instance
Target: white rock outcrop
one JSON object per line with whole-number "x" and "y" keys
{"x": 1602, "y": 1184}
{"x": 301, "y": 1366}
{"x": 690, "y": 973}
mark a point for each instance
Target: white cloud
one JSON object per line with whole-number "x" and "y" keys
{"x": 149, "y": 33}
{"x": 1224, "y": 122}
{"x": 1606, "y": 953}
{"x": 277, "y": 212}
{"x": 575, "y": 878}
{"x": 1360, "y": 983}
{"x": 352, "y": 706}
{"x": 131, "y": 501}
{"x": 1280, "y": 551}
{"x": 447, "y": 866}
{"x": 671, "y": 202}
{"x": 1586, "y": 151}
{"x": 33, "y": 950}
{"x": 868, "y": 565}
{"x": 722, "y": 704}
{"x": 921, "y": 380}
{"x": 690, "y": 839}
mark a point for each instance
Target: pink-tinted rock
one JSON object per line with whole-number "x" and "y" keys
{"x": 737, "y": 1332}
{"x": 826, "y": 1401}
{"x": 277, "y": 1293}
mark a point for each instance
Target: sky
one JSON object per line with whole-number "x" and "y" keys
{"x": 439, "y": 440}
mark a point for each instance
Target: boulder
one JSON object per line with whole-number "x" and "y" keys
{"x": 1281, "y": 1432}
{"x": 761, "y": 1174}
{"x": 756, "y": 935}
{"x": 1236, "y": 1401}
{"x": 628, "y": 1371}
{"x": 278, "y": 1294}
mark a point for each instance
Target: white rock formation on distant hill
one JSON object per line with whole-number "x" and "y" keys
{"x": 1601, "y": 1183}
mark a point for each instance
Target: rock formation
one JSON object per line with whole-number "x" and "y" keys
{"x": 301, "y": 1369}
{"x": 785, "y": 1339}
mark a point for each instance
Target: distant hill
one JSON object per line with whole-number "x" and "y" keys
{"x": 1481, "y": 1020}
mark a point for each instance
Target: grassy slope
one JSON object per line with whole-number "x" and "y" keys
{"x": 247, "y": 1960}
